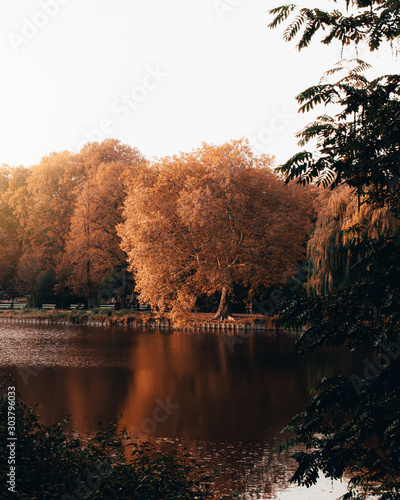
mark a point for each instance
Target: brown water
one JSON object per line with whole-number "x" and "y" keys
{"x": 225, "y": 398}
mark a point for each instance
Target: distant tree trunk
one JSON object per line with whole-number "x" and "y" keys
{"x": 224, "y": 306}
{"x": 88, "y": 263}
{"x": 88, "y": 284}
{"x": 124, "y": 288}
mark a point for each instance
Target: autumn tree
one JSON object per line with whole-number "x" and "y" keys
{"x": 31, "y": 267}
{"x": 92, "y": 246}
{"x": 46, "y": 206}
{"x": 198, "y": 223}
{"x": 58, "y": 221}
{"x": 340, "y": 218}
{"x": 42, "y": 202}
{"x": 10, "y": 232}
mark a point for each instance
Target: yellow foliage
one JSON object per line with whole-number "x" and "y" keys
{"x": 198, "y": 222}
{"x": 92, "y": 244}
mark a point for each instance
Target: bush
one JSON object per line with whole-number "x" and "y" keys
{"x": 53, "y": 463}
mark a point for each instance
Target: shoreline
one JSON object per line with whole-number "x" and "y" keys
{"x": 201, "y": 321}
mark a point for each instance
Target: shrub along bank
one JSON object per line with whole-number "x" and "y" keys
{"x": 50, "y": 462}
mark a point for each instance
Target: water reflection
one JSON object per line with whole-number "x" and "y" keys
{"x": 179, "y": 389}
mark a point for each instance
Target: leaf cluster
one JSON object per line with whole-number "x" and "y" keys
{"x": 343, "y": 433}
{"x": 375, "y": 22}
{"x": 360, "y": 145}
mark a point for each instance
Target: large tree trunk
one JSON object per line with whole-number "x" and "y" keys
{"x": 223, "y": 308}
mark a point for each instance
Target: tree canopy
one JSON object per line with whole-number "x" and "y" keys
{"x": 10, "y": 231}
{"x": 93, "y": 247}
{"x": 199, "y": 223}
{"x": 333, "y": 263}
{"x": 58, "y": 222}
{"x": 360, "y": 145}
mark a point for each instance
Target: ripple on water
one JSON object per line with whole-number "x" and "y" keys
{"x": 45, "y": 346}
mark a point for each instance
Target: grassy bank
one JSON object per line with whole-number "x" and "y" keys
{"x": 104, "y": 316}
{"x": 128, "y": 317}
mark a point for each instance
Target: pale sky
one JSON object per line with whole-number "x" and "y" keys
{"x": 162, "y": 76}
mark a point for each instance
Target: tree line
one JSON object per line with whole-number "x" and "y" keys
{"x": 179, "y": 230}
{"x": 58, "y": 224}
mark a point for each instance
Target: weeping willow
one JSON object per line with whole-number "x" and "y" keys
{"x": 341, "y": 218}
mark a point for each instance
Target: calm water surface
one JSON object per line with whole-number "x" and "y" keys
{"x": 225, "y": 398}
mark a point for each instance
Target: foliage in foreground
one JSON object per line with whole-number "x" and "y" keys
{"x": 351, "y": 427}
{"x": 374, "y": 22}
{"x": 52, "y": 464}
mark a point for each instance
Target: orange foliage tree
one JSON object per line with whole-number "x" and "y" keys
{"x": 42, "y": 204}
{"x": 58, "y": 219}
{"x": 46, "y": 205}
{"x": 199, "y": 223}
{"x": 11, "y": 179}
{"x": 92, "y": 246}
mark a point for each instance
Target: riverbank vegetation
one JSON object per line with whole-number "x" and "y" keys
{"x": 53, "y": 462}
{"x": 216, "y": 226}
{"x": 128, "y": 318}
{"x": 351, "y": 425}
{"x": 104, "y": 316}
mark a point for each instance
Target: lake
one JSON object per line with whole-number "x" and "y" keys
{"x": 225, "y": 398}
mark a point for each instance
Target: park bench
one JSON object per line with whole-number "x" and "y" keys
{"x": 5, "y": 306}
{"x": 19, "y": 306}
{"x": 144, "y": 307}
{"x": 106, "y": 306}
{"x": 75, "y": 306}
{"x": 48, "y": 306}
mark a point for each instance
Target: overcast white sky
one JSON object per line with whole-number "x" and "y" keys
{"x": 159, "y": 75}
